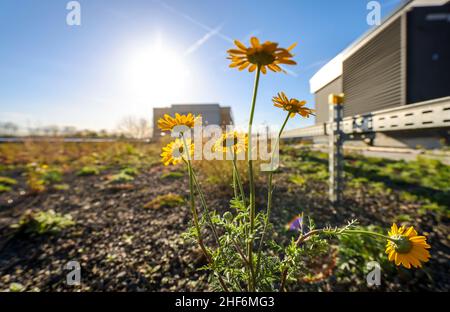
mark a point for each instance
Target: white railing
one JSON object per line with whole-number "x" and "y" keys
{"x": 311, "y": 131}
{"x": 429, "y": 114}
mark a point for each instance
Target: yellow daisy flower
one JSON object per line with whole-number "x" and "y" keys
{"x": 407, "y": 249}
{"x": 293, "y": 106}
{"x": 232, "y": 141}
{"x": 264, "y": 55}
{"x": 174, "y": 152}
{"x": 167, "y": 123}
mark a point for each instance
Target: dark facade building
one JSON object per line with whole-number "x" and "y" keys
{"x": 212, "y": 114}
{"x": 405, "y": 60}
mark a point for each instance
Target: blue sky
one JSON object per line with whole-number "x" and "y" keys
{"x": 129, "y": 56}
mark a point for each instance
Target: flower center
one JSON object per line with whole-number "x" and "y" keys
{"x": 402, "y": 244}
{"x": 228, "y": 143}
{"x": 178, "y": 152}
{"x": 261, "y": 58}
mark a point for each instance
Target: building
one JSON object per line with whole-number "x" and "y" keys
{"x": 212, "y": 114}
{"x": 404, "y": 61}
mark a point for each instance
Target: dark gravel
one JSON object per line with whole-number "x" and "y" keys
{"x": 123, "y": 247}
{"x": 119, "y": 244}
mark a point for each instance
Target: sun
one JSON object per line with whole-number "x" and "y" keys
{"x": 156, "y": 75}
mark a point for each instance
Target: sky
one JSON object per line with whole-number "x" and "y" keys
{"x": 129, "y": 56}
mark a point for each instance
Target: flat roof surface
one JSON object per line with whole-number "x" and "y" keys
{"x": 200, "y": 106}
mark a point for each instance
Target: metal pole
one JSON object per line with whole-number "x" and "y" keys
{"x": 335, "y": 142}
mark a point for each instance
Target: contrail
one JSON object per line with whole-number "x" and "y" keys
{"x": 203, "y": 39}
{"x": 211, "y": 32}
{"x": 194, "y": 21}
{"x": 289, "y": 72}
{"x": 316, "y": 64}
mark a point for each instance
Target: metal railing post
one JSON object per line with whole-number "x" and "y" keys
{"x": 335, "y": 142}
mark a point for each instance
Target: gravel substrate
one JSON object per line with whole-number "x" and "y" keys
{"x": 122, "y": 246}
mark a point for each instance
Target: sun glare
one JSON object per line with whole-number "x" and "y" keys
{"x": 157, "y": 75}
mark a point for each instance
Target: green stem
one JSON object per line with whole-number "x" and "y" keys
{"x": 195, "y": 218}
{"x": 202, "y": 197}
{"x": 235, "y": 184}
{"x": 238, "y": 179}
{"x": 191, "y": 192}
{"x": 205, "y": 207}
{"x": 269, "y": 197}
{"x": 251, "y": 179}
{"x": 279, "y": 134}
{"x": 192, "y": 200}
{"x": 191, "y": 186}
{"x": 370, "y": 233}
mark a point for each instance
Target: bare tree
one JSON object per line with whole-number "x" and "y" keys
{"x": 9, "y": 128}
{"x": 69, "y": 131}
{"x": 54, "y": 130}
{"x": 46, "y": 130}
{"x": 103, "y": 133}
{"x": 133, "y": 127}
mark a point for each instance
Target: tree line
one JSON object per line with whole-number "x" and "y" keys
{"x": 128, "y": 127}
